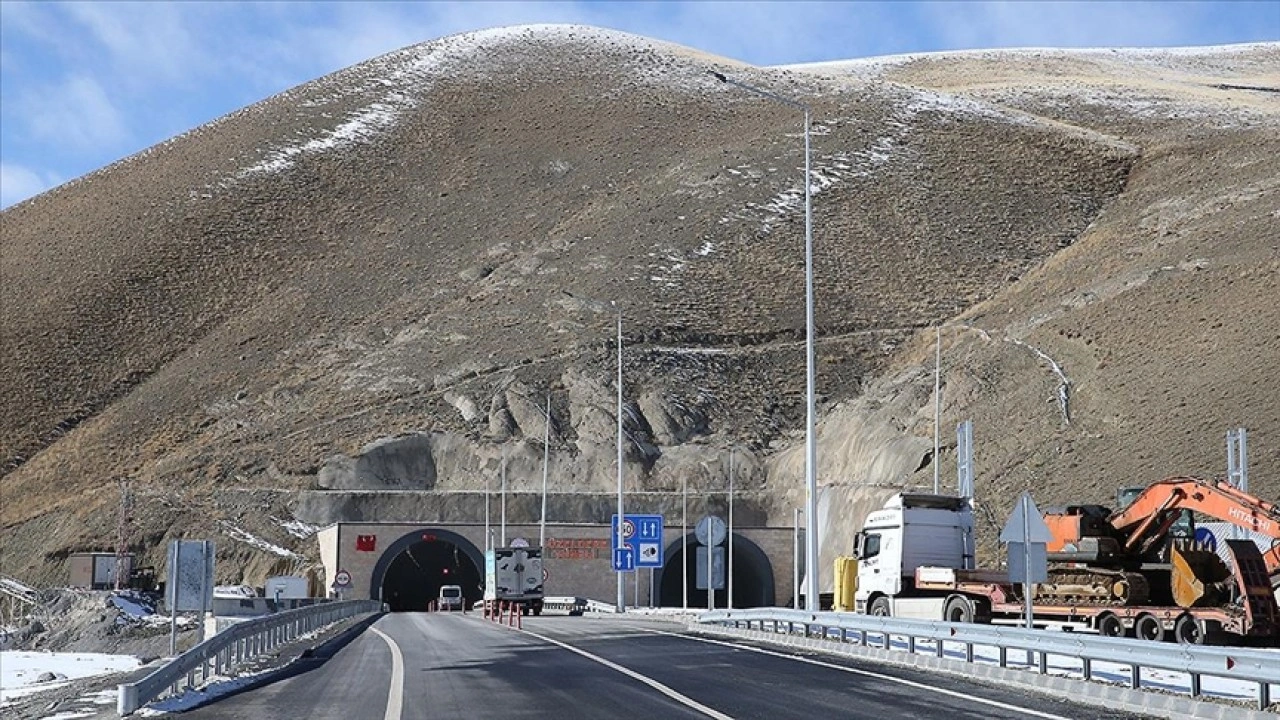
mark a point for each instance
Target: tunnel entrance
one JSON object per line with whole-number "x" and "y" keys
{"x": 752, "y": 577}
{"x": 411, "y": 572}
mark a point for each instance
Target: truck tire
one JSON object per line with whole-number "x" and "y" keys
{"x": 1187, "y": 631}
{"x": 880, "y": 607}
{"x": 1109, "y": 625}
{"x": 1147, "y": 627}
{"x": 958, "y": 609}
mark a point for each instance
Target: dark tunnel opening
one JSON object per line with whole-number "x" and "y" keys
{"x": 415, "y": 575}
{"x": 753, "y": 584}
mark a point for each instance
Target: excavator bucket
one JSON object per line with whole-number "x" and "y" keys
{"x": 1198, "y": 576}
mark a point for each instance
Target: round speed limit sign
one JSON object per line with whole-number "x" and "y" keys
{"x": 342, "y": 579}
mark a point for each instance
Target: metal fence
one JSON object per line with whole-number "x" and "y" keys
{"x": 1243, "y": 664}
{"x": 239, "y": 643}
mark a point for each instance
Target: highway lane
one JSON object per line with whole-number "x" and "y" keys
{"x": 454, "y": 666}
{"x": 745, "y": 680}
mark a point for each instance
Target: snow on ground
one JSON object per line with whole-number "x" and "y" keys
{"x": 20, "y": 671}
{"x": 296, "y": 528}
{"x": 251, "y": 539}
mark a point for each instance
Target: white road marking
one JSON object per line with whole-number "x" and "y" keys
{"x": 868, "y": 673}
{"x": 395, "y": 696}
{"x": 682, "y": 699}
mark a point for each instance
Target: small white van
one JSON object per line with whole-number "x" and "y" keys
{"x": 451, "y": 598}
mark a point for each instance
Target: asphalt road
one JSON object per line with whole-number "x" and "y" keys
{"x": 455, "y": 666}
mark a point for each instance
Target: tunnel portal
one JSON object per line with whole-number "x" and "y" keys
{"x": 411, "y": 572}
{"x": 753, "y": 584}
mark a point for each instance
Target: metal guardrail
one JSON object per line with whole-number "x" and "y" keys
{"x": 11, "y": 587}
{"x": 236, "y": 644}
{"x": 1249, "y": 665}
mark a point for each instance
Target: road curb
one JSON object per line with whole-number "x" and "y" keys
{"x": 1164, "y": 705}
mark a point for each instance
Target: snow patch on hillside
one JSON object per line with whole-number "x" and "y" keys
{"x": 397, "y": 80}
{"x": 250, "y": 539}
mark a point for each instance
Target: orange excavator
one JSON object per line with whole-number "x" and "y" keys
{"x": 1128, "y": 553}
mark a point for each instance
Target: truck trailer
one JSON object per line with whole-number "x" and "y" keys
{"x": 916, "y": 559}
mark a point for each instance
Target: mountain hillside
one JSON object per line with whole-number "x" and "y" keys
{"x": 374, "y": 282}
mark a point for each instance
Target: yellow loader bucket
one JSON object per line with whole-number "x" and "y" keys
{"x": 1197, "y": 574}
{"x": 846, "y": 583}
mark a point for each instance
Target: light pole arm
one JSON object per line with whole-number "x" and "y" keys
{"x": 762, "y": 93}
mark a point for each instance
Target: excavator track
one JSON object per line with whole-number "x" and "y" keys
{"x": 1093, "y": 586}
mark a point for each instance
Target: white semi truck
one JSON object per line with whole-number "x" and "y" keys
{"x": 915, "y": 559}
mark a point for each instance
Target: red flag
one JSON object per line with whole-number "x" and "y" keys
{"x": 366, "y": 543}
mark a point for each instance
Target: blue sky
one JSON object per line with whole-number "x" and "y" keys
{"x": 85, "y": 84}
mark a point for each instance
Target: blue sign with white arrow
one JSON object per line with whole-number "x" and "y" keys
{"x": 624, "y": 559}
{"x": 642, "y": 535}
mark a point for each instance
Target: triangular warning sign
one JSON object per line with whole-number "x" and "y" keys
{"x": 1025, "y": 524}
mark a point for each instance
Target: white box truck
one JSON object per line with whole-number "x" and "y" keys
{"x": 514, "y": 574}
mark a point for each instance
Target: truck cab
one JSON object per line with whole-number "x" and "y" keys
{"x": 910, "y": 531}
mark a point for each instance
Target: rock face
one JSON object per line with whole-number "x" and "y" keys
{"x": 374, "y": 282}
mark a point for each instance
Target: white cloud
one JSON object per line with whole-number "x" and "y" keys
{"x": 151, "y": 40}
{"x": 17, "y": 183}
{"x": 76, "y": 112}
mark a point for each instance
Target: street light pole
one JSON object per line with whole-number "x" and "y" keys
{"x": 504, "y": 499}
{"x": 684, "y": 542}
{"x": 546, "y": 457}
{"x": 729, "y": 600}
{"x": 810, "y": 441}
{"x": 622, "y": 601}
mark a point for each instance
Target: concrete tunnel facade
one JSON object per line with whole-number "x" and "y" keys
{"x": 404, "y": 564}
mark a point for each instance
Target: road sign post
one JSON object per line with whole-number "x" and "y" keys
{"x": 1026, "y": 534}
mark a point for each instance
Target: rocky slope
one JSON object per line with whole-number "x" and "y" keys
{"x": 375, "y": 280}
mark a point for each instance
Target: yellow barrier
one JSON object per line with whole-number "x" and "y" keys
{"x": 846, "y": 583}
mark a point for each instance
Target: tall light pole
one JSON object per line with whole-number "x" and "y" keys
{"x": 810, "y": 441}
{"x": 546, "y": 457}
{"x": 729, "y": 600}
{"x": 684, "y": 543}
{"x": 504, "y": 498}
{"x": 622, "y": 601}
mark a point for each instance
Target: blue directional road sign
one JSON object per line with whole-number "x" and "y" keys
{"x": 642, "y": 534}
{"x": 624, "y": 559}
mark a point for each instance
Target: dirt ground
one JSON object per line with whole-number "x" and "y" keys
{"x": 231, "y": 318}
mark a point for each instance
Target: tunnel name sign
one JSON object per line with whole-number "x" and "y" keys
{"x": 642, "y": 535}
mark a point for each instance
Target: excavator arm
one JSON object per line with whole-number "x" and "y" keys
{"x": 1149, "y": 516}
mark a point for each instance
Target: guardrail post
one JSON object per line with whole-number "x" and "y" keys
{"x": 127, "y": 701}
{"x": 937, "y": 647}
{"x": 1086, "y": 668}
{"x": 844, "y": 635}
{"x": 1135, "y": 677}
{"x": 968, "y": 652}
{"x": 1004, "y": 657}
{"x": 1195, "y": 684}
{"x": 911, "y": 644}
{"x": 1044, "y": 662}
{"x": 887, "y": 642}
{"x": 1264, "y": 696}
